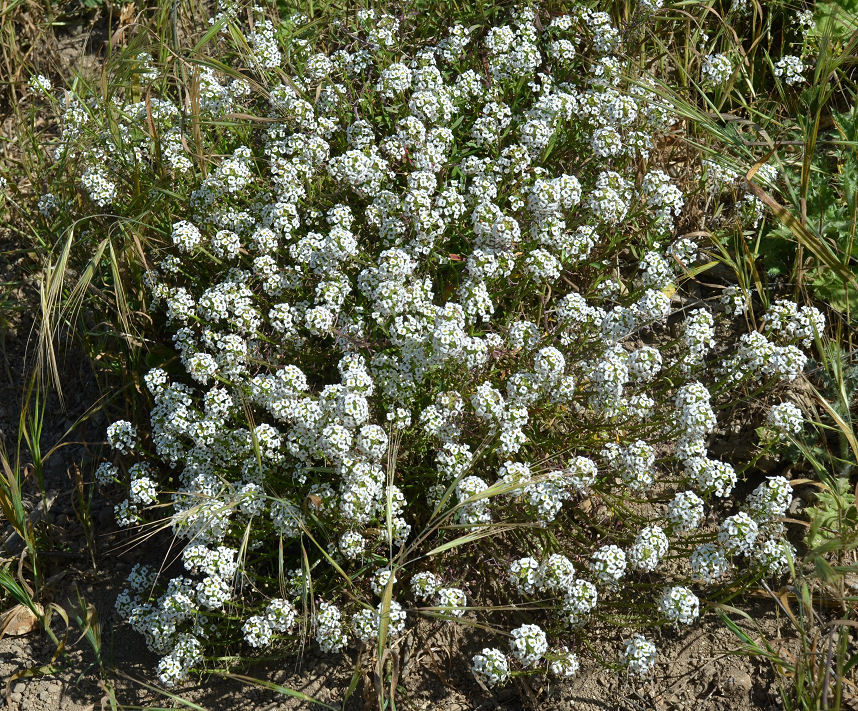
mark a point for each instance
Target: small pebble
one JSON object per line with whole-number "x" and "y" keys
{"x": 739, "y": 682}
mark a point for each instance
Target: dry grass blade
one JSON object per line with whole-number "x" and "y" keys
{"x": 279, "y": 688}
{"x": 161, "y": 692}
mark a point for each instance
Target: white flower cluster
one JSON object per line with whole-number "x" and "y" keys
{"x": 101, "y": 190}
{"x": 491, "y": 667}
{"x": 279, "y": 617}
{"x": 330, "y": 632}
{"x": 366, "y": 622}
{"x": 563, "y": 663}
{"x": 717, "y": 69}
{"x": 639, "y": 655}
{"x": 40, "y": 83}
{"x": 122, "y": 436}
{"x": 650, "y": 546}
{"x": 734, "y": 300}
{"x": 788, "y": 320}
{"x": 775, "y": 352}
{"x": 451, "y": 601}
{"x": 528, "y": 644}
{"x": 608, "y": 564}
{"x": 790, "y": 69}
{"x": 804, "y": 20}
{"x": 785, "y": 419}
{"x": 106, "y": 473}
{"x": 685, "y": 511}
{"x": 679, "y": 605}
{"x": 421, "y": 316}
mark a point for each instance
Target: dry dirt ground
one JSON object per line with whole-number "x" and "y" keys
{"x": 695, "y": 670}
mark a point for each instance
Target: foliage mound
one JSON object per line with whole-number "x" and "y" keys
{"x": 436, "y": 346}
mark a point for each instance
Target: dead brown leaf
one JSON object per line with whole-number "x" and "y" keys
{"x": 18, "y": 621}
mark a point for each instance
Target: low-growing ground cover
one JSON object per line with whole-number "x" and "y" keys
{"x": 451, "y": 328}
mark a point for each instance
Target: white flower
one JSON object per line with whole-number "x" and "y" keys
{"x": 650, "y": 546}
{"x": 790, "y": 69}
{"x": 106, "y": 473}
{"x": 738, "y": 534}
{"x": 639, "y": 655}
{"x": 257, "y": 631}
{"x": 774, "y": 556}
{"x": 528, "y": 644}
{"x": 786, "y": 419}
{"x": 491, "y": 667}
{"x": 352, "y": 544}
{"x": 424, "y": 585}
{"x": 717, "y": 69}
{"x": 685, "y": 511}
{"x": 524, "y": 574}
{"x": 122, "y": 436}
{"x": 555, "y": 573}
{"x": 330, "y": 633}
{"x": 608, "y": 564}
{"x": 451, "y": 601}
{"x": 709, "y": 562}
{"x": 771, "y": 499}
{"x": 213, "y": 592}
{"x": 186, "y": 236}
{"x": 679, "y": 605}
{"x": 96, "y": 182}
{"x": 563, "y": 663}
{"x": 381, "y": 579}
{"x": 40, "y": 83}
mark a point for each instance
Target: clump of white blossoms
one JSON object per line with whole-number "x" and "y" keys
{"x": 40, "y": 84}
{"x": 491, "y": 667}
{"x": 528, "y": 644}
{"x": 785, "y": 419}
{"x": 717, "y": 69}
{"x": 679, "y": 605}
{"x": 639, "y": 655}
{"x": 563, "y": 663}
{"x": 649, "y": 547}
{"x": 397, "y": 329}
{"x": 122, "y": 436}
{"x": 790, "y": 69}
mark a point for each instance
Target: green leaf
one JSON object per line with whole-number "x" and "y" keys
{"x": 834, "y": 513}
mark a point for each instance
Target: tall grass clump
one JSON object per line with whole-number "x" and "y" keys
{"x": 769, "y": 89}
{"x": 434, "y": 344}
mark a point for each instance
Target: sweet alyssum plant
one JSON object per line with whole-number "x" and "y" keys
{"x": 423, "y": 299}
